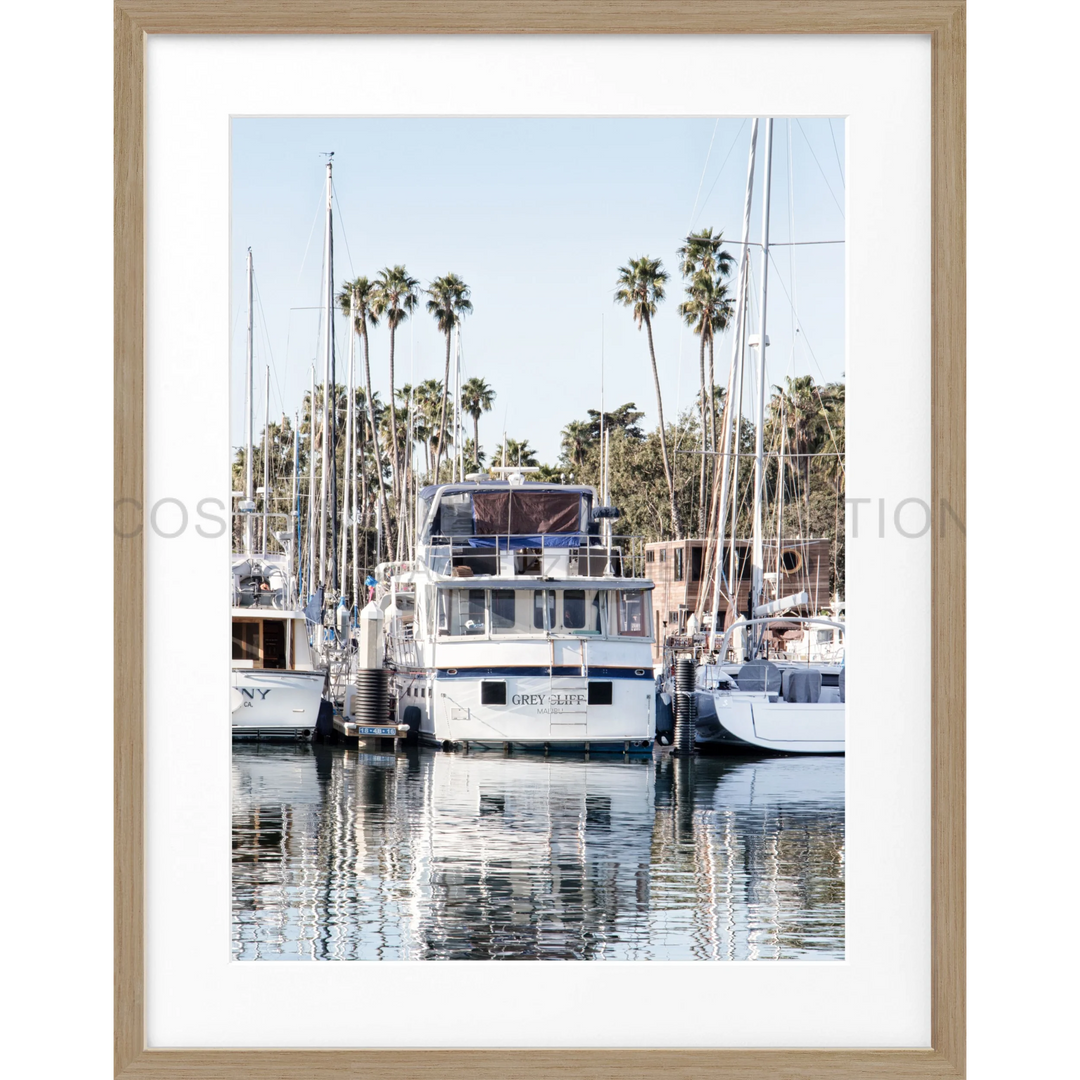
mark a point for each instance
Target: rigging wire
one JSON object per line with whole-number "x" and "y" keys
{"x": 722, "y": 164}
{"x": 344, "y": 234}
{"x": 704, "y": 169}
{"x": 836, "y": 151}
{"x": 319, "y": 210}
{"x": 820, "y": 169}
{"x": 266, "y": 339}
{"x": 810, "y": 348}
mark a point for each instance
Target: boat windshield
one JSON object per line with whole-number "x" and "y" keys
{"x": 535, "y": 612}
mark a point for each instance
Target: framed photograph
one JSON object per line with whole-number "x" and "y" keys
{"x": 494, "y": 360}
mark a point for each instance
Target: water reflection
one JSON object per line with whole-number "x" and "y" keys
{"x": 342, "y": 855}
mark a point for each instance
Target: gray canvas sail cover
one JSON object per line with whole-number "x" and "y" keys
{"x": 802, "y": 685}
{"x": 760, "y": 676}
{"x": 526, "y": 512}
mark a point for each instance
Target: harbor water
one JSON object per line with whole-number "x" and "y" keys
{"x": 346, "y": 854}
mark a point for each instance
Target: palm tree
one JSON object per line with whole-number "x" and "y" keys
{"x": 356, "y": 299}
{"x": 449, "y": 303}
{"x": 427, "y": 404}
{"x": 704, "y": 251}
{"x": 797, "y": 408}
{"x": 395, "y": 296}
{"x": 576, "y": 440}
{"x": 641, "y": 287}
{"x": 472, "y": 453}
{"x": 476, "y": 398}
{"x": 707, "y": 307}
{"x": 517, "y": 453}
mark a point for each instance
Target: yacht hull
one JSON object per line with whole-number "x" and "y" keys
{"x": 613, "y": 710}
{"x": 268, "y": 703}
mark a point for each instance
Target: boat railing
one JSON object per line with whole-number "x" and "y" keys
{"x": 401, "y": 648}
{"x": 543, "y": 555}
{"x": 743, "y": 623}
{"x": 268, "y": 586}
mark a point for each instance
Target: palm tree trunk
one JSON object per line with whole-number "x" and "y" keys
{"x": 712, "y": 396}
{"x": 676, "y": 525}
{"x": 396, "y": 481}
{"x": 476, "y": 438}
{"x": 374, "y": 437}
{"x": 442, "y": 421}
{"x": 703, "y": 404}
{"x": 361, "y": 506}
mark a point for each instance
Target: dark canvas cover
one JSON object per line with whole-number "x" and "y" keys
{"x": 515, "y": 512}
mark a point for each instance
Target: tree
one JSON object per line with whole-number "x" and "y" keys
{"x": 707, "y": 307}
{"x": 471, "y": 453}
{"x": 356, "y": 299}
{"x": 395, "y": 296}
{"x": 704, "y": 252}
{"x": 704, "y": 265}
{"x": 625, "y": 417}
{"x": 476, "y": 398}
{"x": 448, "y": 302}
{"x": 426, "y": 410}
{"x": 576, "y": 439}
{"x": 517, "y": 453}
{"x": 640, "y": 287}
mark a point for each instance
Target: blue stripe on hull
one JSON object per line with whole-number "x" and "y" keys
{"x": 545, "y": 672}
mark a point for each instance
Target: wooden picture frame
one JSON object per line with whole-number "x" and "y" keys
{"x": 944, "y": 22}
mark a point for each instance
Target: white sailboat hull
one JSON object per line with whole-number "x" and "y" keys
{"x": 271, "y": 702}
{"x": 744, "y": 721}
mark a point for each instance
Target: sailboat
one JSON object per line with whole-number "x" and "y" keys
{"x": 747, "y": 701}
{"x": 277, "y": 687}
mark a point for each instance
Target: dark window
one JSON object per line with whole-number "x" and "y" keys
{"x": 502, "y": 608}
{"x": 573, "y": 609}
{"x": 492, "y": 693}
{"x": 678, "y": 564}
{"x": 600, "y": 693}
{"x": 274, "y": 644}
{"x": 663, "y": 555}
{"x": 695, "y": 564}
{"x": 245, "y": 641}
{"x": 538, "y": 609}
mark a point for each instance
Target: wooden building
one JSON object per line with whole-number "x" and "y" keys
{"x": 675, "y": 567}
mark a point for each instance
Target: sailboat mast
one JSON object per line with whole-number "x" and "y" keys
{"x": 294, "y": 506}
{"x": 311, "y": 487}
{"x": 758, "y": 563}
{"x": 603, "y": 459}
{"x": 324, "y": 472}
{"x": 454, "y": 420}
{"x": 733, "y": 402}
{"x": 344, "y": 569}
{"x": 249, "y": 419}
{"x": 266, "y": 465}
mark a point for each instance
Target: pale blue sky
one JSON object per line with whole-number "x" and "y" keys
{"x": 536, "y": 215}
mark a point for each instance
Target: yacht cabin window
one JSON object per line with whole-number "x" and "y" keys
{"x": 533, "y": 612}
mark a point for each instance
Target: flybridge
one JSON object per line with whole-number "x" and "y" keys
{"x": 517, "y": 528}
{"x": 517, "y": 513}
